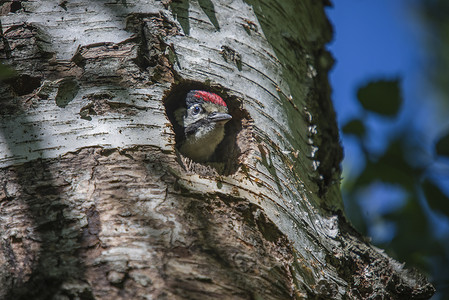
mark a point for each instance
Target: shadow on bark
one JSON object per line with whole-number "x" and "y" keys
{"x": 37, "y": 236}
{"x": 37, "y": 251}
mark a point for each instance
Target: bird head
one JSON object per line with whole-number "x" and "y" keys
{"x": 203, "y": 119}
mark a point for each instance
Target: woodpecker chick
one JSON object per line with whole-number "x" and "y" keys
{"x": 203, "y": 119}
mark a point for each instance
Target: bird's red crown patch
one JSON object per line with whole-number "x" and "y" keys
{"x": 211, "y": 97}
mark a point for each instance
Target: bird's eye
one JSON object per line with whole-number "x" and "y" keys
{"x": 196, "y": 109}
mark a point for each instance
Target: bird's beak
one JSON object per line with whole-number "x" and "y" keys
{"x": 219, "y": 117}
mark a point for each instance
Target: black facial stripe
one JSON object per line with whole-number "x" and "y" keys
{"x": 192, "y": 128}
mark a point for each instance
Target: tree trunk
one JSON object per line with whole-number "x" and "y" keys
{"x": 96, "y": 202}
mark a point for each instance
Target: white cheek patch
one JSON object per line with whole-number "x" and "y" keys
{"x": 191, "y": 118}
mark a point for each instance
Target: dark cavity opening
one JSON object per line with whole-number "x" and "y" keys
{"x": 231, "y": 152}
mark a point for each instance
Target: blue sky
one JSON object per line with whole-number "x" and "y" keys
{"x": 378, "y": 39}
{"x": 375, "y": 39}
{"x": 384, "y": 39}
{"x": 372, "y": 39}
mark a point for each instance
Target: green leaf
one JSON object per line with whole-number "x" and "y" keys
{"x": 442, "y": 146}
{"x": 435, "y": 197}
{"x": 354, "y": 127}
{"x": 382, "y": 97}
{"x": 391, "y": 167}
{"x": 412, "y": 225}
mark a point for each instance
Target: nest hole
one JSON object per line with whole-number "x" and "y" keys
{"x": 234, "y": 148}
